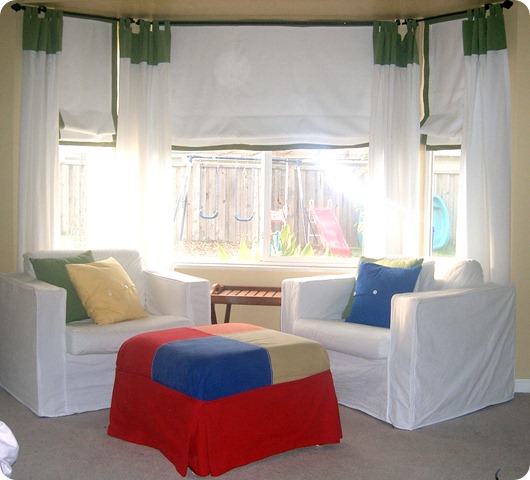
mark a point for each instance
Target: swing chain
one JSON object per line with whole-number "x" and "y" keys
{"x": 216, "y": 211}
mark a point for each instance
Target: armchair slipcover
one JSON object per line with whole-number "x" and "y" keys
{"x": 448, "y": 351}
{"x": 55, "y": 368}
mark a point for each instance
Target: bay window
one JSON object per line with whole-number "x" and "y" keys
{"x": 298, "y": 195}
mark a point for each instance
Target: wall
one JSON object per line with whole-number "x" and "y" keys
{"x": 518, "y": 33}
{"x": 518, "y": 27}
{"x": 10, "y": 75}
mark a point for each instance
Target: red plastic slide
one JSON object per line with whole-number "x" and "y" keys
{"x": 331, "y": 232}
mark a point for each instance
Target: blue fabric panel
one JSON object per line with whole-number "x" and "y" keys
{"x": 209, "y": 368}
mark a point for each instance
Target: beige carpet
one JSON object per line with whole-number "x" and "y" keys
{"x": 473, "y": 447}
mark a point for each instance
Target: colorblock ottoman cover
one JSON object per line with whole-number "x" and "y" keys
{"x": 217, "y": 397}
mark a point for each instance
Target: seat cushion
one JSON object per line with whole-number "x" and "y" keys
{"x": 364, "y": 341}
{"x": 86, "y": 337}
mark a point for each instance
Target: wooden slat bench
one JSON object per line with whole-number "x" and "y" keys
{"x": 243, "y": 295}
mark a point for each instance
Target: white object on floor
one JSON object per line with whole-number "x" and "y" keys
{"x": 8, "y": 451}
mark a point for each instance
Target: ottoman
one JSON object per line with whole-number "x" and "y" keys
{"x": 217, "y": 397}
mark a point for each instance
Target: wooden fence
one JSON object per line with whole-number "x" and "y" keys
{"x": 222, "y": 200}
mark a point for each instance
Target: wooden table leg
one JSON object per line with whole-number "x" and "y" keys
{"x": 227, "y": 312}
{"x": 213, "y": 315}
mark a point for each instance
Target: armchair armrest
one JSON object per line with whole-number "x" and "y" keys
{"x": 320, "y": 297}
{"x": 452, "y": 352}
{"x": 175, "y": 293}
{"x": 32, "y": 341}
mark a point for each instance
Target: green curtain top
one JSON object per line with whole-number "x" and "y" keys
{"x": 482, "y": 34}
{"x": 42, "y": 33}
{"x": 151, "y": 45}
{"x": 390, "y": 48}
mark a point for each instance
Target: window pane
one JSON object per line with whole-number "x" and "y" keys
{"x": 314, "y": 213}
{"x": 445, "y": 185}
{"x": 88, "y": 196}
{"x": 73, "y": 205}
{"x": 217, "y": 210}
{"x": 317, "y": 203}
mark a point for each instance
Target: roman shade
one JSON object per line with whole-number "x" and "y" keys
{"x": 270, "y": 85}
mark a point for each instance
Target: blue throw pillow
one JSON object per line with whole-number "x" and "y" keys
{"x": 374, "y": 288}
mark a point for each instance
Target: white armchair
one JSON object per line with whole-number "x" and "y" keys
{"x": 55, "y": 368}
{"x": 449, "y": 351}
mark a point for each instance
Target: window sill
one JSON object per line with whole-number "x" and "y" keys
{"x": 318, "y": 268}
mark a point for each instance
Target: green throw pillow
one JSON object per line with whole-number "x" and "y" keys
{"x": 53, "y": 270}
{"x": 394, "y": 262}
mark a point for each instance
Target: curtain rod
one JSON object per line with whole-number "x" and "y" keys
{"x": 507, "y": 4}
{"x": 17, "y": 7}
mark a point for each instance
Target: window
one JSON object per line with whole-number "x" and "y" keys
{"x": 269, "y": 206}
{"x": 240, "y": 205}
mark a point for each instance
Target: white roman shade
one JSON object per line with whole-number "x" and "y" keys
{"x": 271, "y": 85}
{"x": 444, "y": 83}
{"x": 85, "y": 81}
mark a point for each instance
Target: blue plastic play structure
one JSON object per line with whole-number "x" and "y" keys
{"x": 441, "y": 223}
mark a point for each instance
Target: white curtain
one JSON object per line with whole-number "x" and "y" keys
{"x": 143, "y": 147}
{"x": 484, "y": 215}
{"x": 39, "y": 132}
{"x": 392, "y": 221}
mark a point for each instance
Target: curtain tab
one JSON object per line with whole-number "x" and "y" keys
{"x": 479, "y": 13}
{"x": 42, "y": 33}
{"x": 151, "y": 44}
{"x": 125, "y": 37}
{"x": 496, "y": 10}
{"x": 482, "y": 34}
{"x": 390, "y": 48}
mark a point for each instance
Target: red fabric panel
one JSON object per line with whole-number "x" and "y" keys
{"x": 136, "y": 354}
{"x": 147, "y": 413}
{"x": 217, "y": 436}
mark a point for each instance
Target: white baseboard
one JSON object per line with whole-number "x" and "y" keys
{"x": 522, "y": 385}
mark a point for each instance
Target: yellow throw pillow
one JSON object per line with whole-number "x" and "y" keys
{"x": 106, "y": 291}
